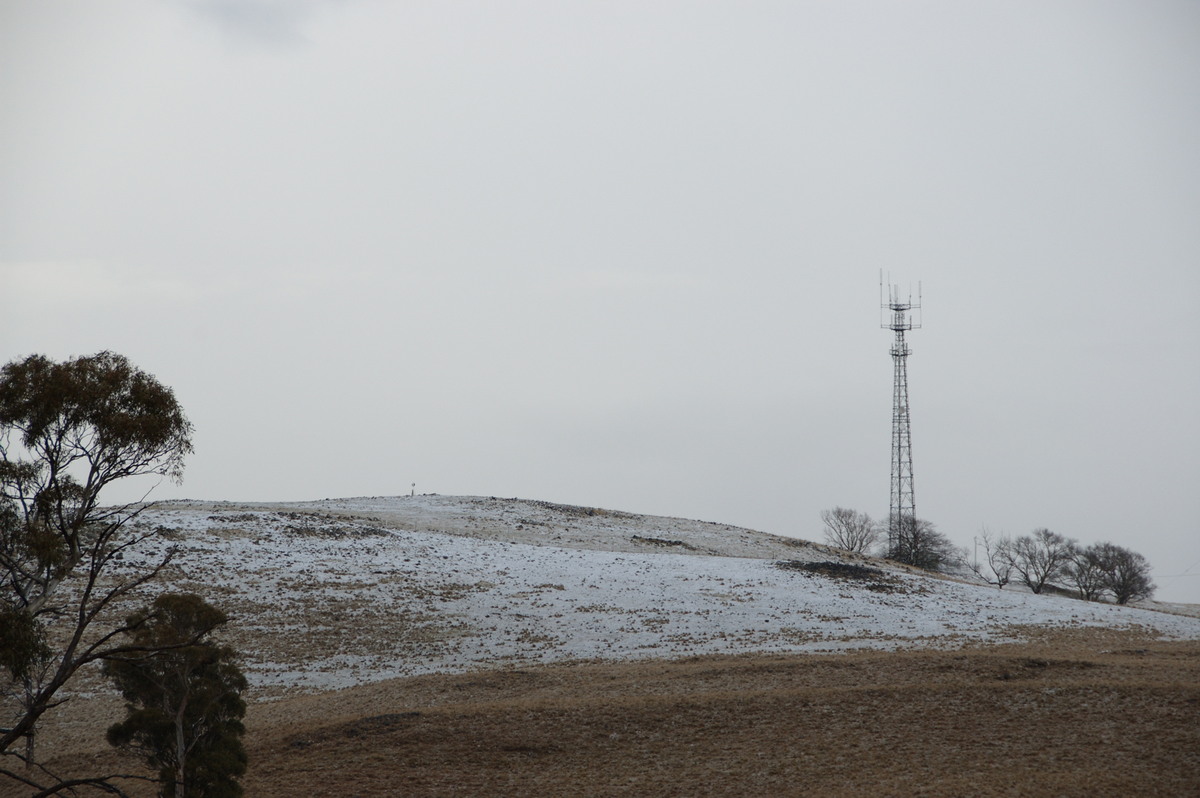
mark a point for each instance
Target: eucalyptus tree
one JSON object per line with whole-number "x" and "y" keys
{"x": 68, "y": 430}
{"x": 184, "y": 707}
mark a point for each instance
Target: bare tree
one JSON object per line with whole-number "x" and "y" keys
{"x": 1125, "y": 573}
{"x": 998, "y": 557}
{"x": 1087, "y": 572}
{"x": 1041, "y": 558}
{"x": 916, "y": 541}
{"x": 849, "y": 529}
{"x": 68, "y": 430}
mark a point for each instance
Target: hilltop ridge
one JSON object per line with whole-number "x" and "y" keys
{"x": 438, "y": 645}
{"x": 337, "y": 592}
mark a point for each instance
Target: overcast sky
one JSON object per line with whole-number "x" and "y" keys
{"x": 627, "y": 254}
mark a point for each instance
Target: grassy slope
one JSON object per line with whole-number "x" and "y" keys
{"x": 1089, "y": 712}
{"x": 1071, "y": 711}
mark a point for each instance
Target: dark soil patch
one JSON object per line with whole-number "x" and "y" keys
{"x": 871, "y": 578}
{"x": 679, "y": 544}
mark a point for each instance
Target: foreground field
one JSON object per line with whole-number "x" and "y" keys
{"x": 1092, "y": 712}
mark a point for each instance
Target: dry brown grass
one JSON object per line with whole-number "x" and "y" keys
{"x": 1087, "y": 712}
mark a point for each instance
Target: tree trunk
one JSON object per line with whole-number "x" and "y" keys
{"x": 180, "y": 751}
{"x": 30, "y": 741}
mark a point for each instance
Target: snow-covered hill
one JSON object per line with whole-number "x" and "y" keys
{"x": 338, "y": 592}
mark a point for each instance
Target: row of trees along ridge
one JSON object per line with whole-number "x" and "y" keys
{"x": 1101, "y": 571}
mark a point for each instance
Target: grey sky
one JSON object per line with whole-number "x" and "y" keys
{"x": 627, "y": 254}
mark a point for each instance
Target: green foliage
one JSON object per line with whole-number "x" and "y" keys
{"x": 184, "y": 705}
{"x": 102, "y": 403}
{"x": 22, "y": 643}
{"x": 22, "y": 638}
{"x": 67, "y": 430}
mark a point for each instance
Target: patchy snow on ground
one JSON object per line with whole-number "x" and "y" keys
{"x": 328, "y": 594}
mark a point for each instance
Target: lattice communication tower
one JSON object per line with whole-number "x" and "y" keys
{"x": 902, "y": 514}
